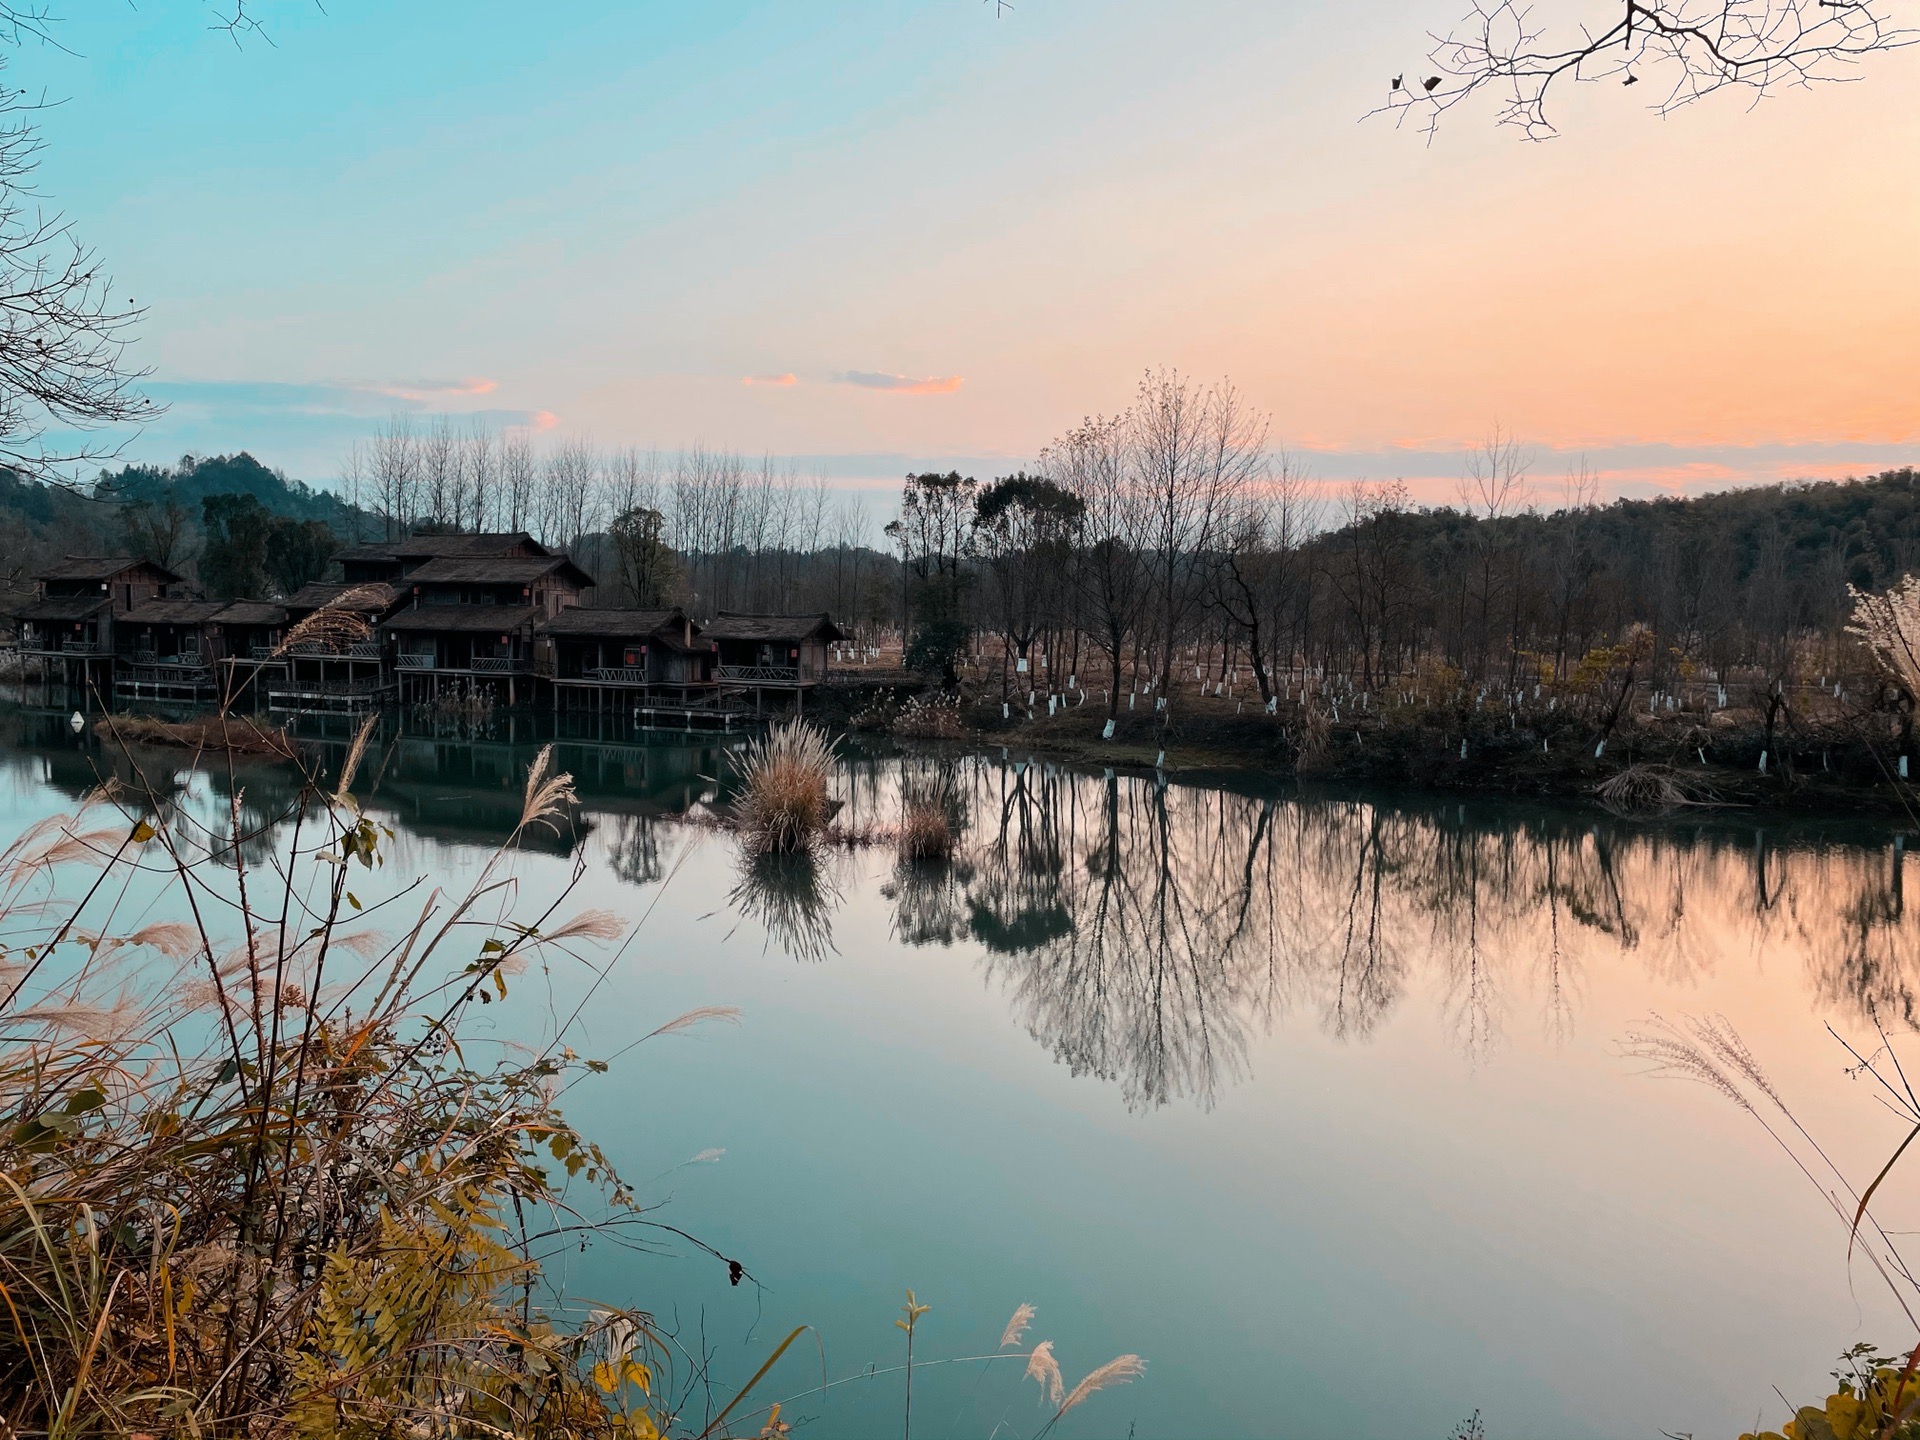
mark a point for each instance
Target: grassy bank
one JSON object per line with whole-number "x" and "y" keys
{"x": 1821, "y": 758}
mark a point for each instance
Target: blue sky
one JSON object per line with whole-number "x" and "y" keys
{"x": 929, "y": 234}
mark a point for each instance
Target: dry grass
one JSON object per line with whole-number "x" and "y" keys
{"x": 468, "y": 707}
{"x": 233, "y": 735}
{"x": 1650, "y": 789}
{"x": 926, "y": 835}
{"x": 784, "y": 804}
{"x": 342, "y": 622}
{"x": 935, "y": 718}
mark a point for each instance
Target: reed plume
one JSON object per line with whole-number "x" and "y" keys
{"x": 1889, "y": 626}
{"x": 341, "y": 621}
{"x": 1042, "y": 1367}
{"x": 549, "y": 795}
{"x": 1017, "y": 1327}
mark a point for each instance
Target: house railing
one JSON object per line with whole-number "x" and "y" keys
{"x": 497, "y": 664}
{"x": 619, "y": 674}
{"x": 407, "y": 660}
{"x": 759, "y": 674}
{"x": 80, "y": 647}
{"x": 349, "y": 650}
{"x": 329, "y": 687}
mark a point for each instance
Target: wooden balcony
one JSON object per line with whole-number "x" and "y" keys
{"x": 758, "y": 674}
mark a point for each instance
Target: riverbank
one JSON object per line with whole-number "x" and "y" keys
{"x": 1840, "y": 764}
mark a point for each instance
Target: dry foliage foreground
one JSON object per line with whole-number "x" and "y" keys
{"x": 250, "y": 1180}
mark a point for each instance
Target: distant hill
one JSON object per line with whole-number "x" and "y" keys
{"x": 197, "y": 477}
{"x": 41, "y": 522}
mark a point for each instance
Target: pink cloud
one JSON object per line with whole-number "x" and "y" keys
{"x": 428, "y": 391}
{"x": 544, "y": 419}
{"x": 900, "y": 384}
{"x": 781, "y": 381}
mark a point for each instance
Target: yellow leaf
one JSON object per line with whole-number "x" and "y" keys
{"x": 638, "y": 1374}
{"x": 353, "y": 900}
{"x": 143, "y": 832}
{"x": 605, "y": 1378}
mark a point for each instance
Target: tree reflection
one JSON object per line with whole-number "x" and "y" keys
{"x": 1146, "y": 934}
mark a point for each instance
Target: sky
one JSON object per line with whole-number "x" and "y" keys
{"x": 872, "y": 236}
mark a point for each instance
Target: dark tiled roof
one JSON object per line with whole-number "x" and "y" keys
{"x": 735, "y": 626}
{"x": 475, "y": 619}
{"x": 496, "y": 570}
{"x": 99, "y": 567}
{"x": 594, "y": 620}
{"x": 252, "y": 612}
{"x": 172, "y": 612}
{"x": 62, "y": 607}
{"x": 319, "y": 594}
{"x": 433, "y": 546}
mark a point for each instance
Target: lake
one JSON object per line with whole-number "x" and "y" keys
{"x": 1317, "y": 1101}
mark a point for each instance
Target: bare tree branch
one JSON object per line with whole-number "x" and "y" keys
{"x": 64, "y": 330}
{"x": 1687, "y": 49}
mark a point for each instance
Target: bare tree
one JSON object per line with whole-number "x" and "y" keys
{"x": 1258, "y": 564}
{"x": 396, "y": 473}
{"x": 1111, "y": 579}
{"x": 355, "y": 483}
{"x": 1521, "y": 53}
{"x": 63, "y": 330}
{"x": 479, "y": 475}
{"x": 440, "y": 473}
{"x": 1192, "y": 449}
{"x": 519, "y": 476}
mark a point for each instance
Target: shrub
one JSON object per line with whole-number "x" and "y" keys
{"x": 936, "y": 648}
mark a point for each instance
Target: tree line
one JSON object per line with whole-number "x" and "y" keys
{"x": 1174, "y": 534}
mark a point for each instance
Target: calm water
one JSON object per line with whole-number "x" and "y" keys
{"x": 1314, "y": 1101}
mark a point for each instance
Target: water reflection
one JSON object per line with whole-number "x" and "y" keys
{"x": 1148, "y": 935}
{"x": 792, "y": 898}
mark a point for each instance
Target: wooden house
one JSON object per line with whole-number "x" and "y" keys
{"x": 249, "y": 633}
{"x": 470, "y": 621}
{"x": 392, "y": 561}
{"x": 69, "y": 625}
{"x": 338, "y": 671}
{"x": 655, "y": 662}
{"x": 167, "y": 650}
{"x": 773, "y": 656}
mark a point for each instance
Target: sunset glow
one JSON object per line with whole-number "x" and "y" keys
{"x": 763, "y": 226}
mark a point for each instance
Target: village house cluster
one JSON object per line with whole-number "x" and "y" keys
{"x": 468, "y": 613}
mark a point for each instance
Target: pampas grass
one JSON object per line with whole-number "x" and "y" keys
{"x": 784, "y": 804}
